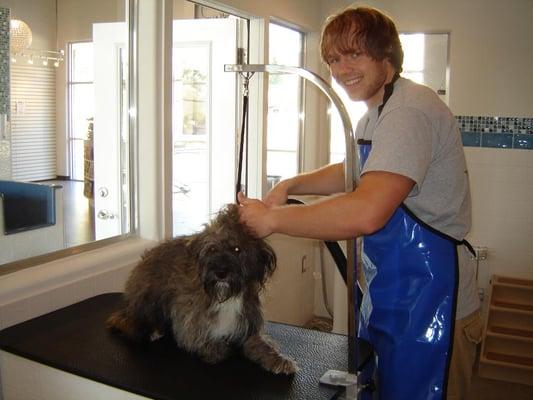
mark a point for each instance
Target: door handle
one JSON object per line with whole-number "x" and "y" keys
{"x": 103, "y": 192}
{"x": 105, "y": 214}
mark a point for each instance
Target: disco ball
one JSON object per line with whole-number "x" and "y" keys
{"x": 21, "y": 36}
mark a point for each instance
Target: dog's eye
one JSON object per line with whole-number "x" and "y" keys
{"x": 237, "y": 249}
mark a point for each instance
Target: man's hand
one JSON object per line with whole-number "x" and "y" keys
{"x": 278, "y": 195}
{"x": 255, "y": 215}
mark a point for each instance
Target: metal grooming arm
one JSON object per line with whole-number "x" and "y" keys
{"x": 351, "y": 173}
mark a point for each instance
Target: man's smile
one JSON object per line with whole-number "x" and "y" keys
{"x": 352, "y": 81}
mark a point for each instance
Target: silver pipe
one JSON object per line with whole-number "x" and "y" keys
{"x": 351, "y": 164}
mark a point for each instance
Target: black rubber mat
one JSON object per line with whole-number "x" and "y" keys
{"x": 75, "y": 339}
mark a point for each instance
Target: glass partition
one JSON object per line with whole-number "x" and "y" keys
{"x": 66, "y": 121}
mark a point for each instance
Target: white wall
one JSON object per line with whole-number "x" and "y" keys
{"x": 41, "y": 18}
{"x": 305, "y": 14}
{"x": 502, "y": 213}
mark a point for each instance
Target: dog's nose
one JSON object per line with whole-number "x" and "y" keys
{"x": 221, "y": 274}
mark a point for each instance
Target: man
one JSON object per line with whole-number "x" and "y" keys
{"x": 411, "y": 206}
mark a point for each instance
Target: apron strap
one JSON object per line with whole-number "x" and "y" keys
{"x": 389, "y": 88}
{"x": 469, "y": 247}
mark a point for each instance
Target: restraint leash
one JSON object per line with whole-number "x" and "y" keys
{"x": 244, "y": 132}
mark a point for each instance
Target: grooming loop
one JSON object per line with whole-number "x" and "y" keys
{"x": 246, "y": 76}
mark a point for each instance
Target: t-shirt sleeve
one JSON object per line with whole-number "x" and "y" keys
{"x": 402, "y": 143}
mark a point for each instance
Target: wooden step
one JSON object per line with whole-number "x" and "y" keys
{"x": 513, "y": 360}
{"x": 505, "y": 368}
{"x": 514, "y": 281}
{"x": 510, "y": 318}
{"x": 511, "y": 345}
{"x": 513, "y": 306}
{"x": 507, "y": 347}
{"x": 521, "y": 333}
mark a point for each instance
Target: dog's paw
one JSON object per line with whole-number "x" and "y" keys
{"x": 282, "y": 365}
{"x": 213, "y": 352}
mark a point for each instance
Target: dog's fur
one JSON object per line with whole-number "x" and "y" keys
{"x": 204, "y": 290}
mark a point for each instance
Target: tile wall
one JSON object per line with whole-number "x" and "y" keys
{"x": 4, "y": 60}
{"x": 5, "y": 144}
{"x": 496, "y": 132}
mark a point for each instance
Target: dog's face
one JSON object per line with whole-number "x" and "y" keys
{"x": 229, "y": 257}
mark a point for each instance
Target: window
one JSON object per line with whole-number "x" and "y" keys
{"x": 355, "y": 110}
{"x": 75, "y": 107}
{"x": 191, "y": 81}
{"x": 204, "y": 124}
{"x": 426, "y": 60}
{"x": 81, "y": 106}
{"x": 284, "y": 105}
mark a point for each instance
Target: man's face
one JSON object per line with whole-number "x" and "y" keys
{"x": 362, "y": 77}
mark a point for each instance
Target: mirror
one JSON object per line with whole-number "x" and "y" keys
{"x": 64, "y": 139}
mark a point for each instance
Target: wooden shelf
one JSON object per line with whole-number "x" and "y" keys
{"x": 507, "y": 349}
{"x": 513, "y": 332}
{"x": 512, "y": 360}
{"x": 504, "y": 280}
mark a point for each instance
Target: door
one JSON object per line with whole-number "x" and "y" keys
{"x": 204, "y": 126}
{"x": 109, "y": 133}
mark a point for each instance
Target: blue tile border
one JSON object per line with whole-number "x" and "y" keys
{"x": 523, "y": 141}
{"x": 496, "y": 132}
{"x": 471, "y": 139}
{"x": 497, "y": 140}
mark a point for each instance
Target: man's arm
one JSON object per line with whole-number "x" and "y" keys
{"x": 323, "y": 181}
{"x": 361, "y": 212}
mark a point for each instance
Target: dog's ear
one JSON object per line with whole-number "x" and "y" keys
{"x": 266, "y": 257}
{"x": 195, "y": 243}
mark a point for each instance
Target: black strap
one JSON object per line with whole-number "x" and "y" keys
{"x": 244, "y": 130}
{"x": 389, "y": 88}
{"x": 469, "y": 247}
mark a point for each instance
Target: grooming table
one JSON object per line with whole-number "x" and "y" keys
{"x": 74, "y": 339}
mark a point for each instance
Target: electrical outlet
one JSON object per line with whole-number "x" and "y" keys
{"x": 482, "y": 253}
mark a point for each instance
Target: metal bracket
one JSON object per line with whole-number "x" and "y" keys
{"x": 344, "y": 379}
{"x": 246, "y": 81}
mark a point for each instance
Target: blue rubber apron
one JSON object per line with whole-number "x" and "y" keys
{"x": 408, "y": 308}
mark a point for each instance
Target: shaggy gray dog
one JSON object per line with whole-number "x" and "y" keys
{"x": 204, "y": 290}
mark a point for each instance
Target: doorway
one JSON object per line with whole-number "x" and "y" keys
{"x": 204, "y": 129}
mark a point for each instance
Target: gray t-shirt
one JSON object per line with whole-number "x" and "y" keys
{"x": 416, "y": 136}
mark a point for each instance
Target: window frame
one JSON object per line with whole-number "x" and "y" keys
{"x": 132, "y": 22}
{"x": 300, "y": 145}
{"x": 71, "y": 83}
